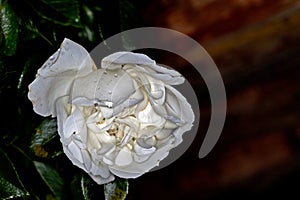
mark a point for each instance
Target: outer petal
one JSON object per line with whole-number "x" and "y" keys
{"x": 142, "y": 63}
{"x": 121, "y": 58}
{"x": 55, "y": 77}
{"x": 110, "y": 86}
{"x": 135, "y": 170}
{"x": 63, "y": 110}
{"x": 180, "y": 109}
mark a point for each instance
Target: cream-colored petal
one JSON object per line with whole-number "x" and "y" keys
{"x": 69, "y": 127}
{"x": 149, "y": 116}
{"x": 70, "y": 57}
{"x": 133, "y": 100}
{"x": 139, "y": 150}
{"x": 124, "y": 157}
{"x": 107, "y": 142}
{"x": 106, "y": 88}
{"x": 99, "y": 169}
{"x": 54, "y": 79}
{"x": 140, "y": 158}
{"x": 186, "y": 115}
{"x": 62, "y": 109}
{"x": 144, "y": 64}
{"x": 86, "y": 159}
{"x": 163, "y": 133}
{"x": 121, "y": 58}
{"x": 135, "y": 170}
{"x": 100, "y": 180}
{"x": 76, "y": 152}
{"x": 157, "y": 90}
{"x": 130, "y": 121}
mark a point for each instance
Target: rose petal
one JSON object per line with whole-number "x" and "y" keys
{"x": 142, "y": 154}
{"x": 140, "y": 158}
{"x": 100, "y": 180}
{"x": 124, "y": 157}
{"x": 134, "y": 99}
{"x": 149, "y": 116}
{"x": 86, "y": 159}
{"x": 157, "y": 91}
{"x": 107, "y": 142}
{"x": 120, "y": 58}
{"x": 143, "y": 151}
{"x": 70, "y": 57}
{"x": 100, "y": 170}
{"x": 186, "y": 115}
{"x": 163, "y": 133}
{"x": 55, "y": 77}
{"x": 107, "y": 112}
{"x": 118, "y": 87}
{"x": 76, "y": 152}
{"x": 73, "y": 124}
{"x": 92, "y": 141}
{"x": 144, "y": 64}
{"x": 135, "y": 170}
{"x": 62, "y": 109}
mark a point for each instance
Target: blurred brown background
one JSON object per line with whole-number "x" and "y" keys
{"x": 256, "y": 46}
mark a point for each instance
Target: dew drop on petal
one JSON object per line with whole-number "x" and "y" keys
{"x": 108, "y": 104}
{"x": 51, "y": 58}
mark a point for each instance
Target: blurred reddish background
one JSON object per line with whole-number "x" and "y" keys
{"x": 256, "y": 46}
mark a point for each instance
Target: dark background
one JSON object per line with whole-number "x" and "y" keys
{"x": 254, "y": 43}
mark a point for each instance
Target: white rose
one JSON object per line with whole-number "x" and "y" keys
{"x": 120, "y": 119}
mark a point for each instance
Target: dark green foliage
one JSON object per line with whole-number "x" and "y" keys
{"x": 9, "y": 191}
{"x": 90, "y": 189}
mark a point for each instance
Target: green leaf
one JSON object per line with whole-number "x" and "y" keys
{"x": 51, "y": 178}
{"x": 8, "y": 170}
{"x": 90, "y": 189}
{"x": 75, "y": 187}
{"x": 45, "y": 133}
{"x": 116, "y": 190}
{"x": 24, "y": 73}
{"x": 30, "y": 31}
{"x": 9, "y": 191}
{"x": 9, "y": 29}
{"x": 62, "y": 12}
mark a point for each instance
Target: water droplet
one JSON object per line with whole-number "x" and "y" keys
{"x": 108, "y": 104}
{"x": 51, "y": 58}
{"x": 115, "y": 75}
{"x": 103, "y": 103}
{"x": 109, "y": 92}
